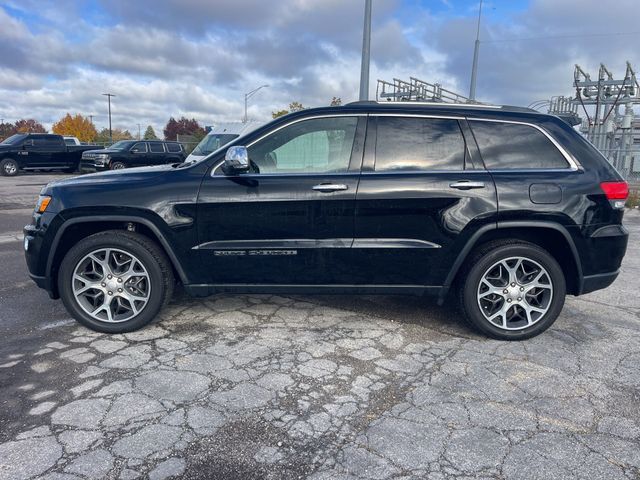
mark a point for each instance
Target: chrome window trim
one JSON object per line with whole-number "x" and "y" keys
{"x": 573, "y": 163}
{"x": 293, "y": 122}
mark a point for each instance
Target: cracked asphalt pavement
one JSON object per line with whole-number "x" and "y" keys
{"x": 320, "y": 387}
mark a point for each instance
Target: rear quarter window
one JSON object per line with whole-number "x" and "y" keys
{"x": 515, "y": 146}
{"x": 173, "y": 147}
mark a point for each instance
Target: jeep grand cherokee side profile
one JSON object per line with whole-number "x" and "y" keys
{"x": 508, "y": 208}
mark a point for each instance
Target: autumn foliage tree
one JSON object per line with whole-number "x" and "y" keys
{"x": 29, "y": 125}
{"x": 6, "y": 130}
{"x": 76, "y": 126}
{"x": 182, "y": 126}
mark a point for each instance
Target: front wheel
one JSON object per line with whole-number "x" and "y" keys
{"x": 512, "y": 290}
{"x": 9, "y": 167}
{"x": 115, "y": 281}
{"x": 117, "y": 166}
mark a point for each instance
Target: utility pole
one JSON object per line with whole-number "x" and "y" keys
{"x": 91, "y": 118}
{"x": 366, "y": 52}
{"x": 247, "y": 96}
{"x": 138, "y": 131}
{"x": 476, "y": 51}
{"x": 109, "y": 95}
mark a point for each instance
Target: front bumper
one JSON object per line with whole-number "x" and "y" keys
{"x": 37, "y": 245}
{"x": 92, "y": 167}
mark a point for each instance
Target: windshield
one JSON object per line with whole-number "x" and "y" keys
{"x": 121, "y": 145}
{"x": 213, "y": 142}
{"x": 13, "y": 139}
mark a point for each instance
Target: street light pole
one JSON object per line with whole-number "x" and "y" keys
{"x": 109, "y": 95}
{"x": 247, "y": 96}
{"x": 476, "y": 51}
{"x": 366, "y": 52}
{"x": 138, "y": 130}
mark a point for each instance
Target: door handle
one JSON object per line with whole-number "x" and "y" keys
{"x": 330, "y": 187}
{"x": 466, "y": 185}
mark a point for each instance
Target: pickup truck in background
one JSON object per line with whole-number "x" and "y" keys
{"x": 39, "y": 151}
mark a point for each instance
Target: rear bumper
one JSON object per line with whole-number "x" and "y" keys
{"x": 591, "y": 283}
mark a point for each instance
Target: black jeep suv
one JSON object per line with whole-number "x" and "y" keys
{"x": 132, "y": 153}
{"x": 510, "y": 208}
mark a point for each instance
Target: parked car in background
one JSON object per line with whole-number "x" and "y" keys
{"x": 72, "y": 140}
{"x": 510, "y": 208}
{"x": 132, "y": 153}
{"x": 39, "y": 151}
{"x": 219, "y": 136}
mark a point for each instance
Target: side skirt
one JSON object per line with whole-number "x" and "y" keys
{"x": 418, "y": 290}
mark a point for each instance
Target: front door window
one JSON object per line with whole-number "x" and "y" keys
{"x": 316, "y": 146}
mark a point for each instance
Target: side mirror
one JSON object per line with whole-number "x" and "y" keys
{"x": 236, "y": 160}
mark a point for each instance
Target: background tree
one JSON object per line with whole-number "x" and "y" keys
{"x": 150, "y": 134}
{"x": 293, "y": 107}
{"x": 76, "y": 126}
{"x": 29, "y": 125}
{"x": 118, "y": 134}
{"x": 6, "y": 130}
{"x": 182, "y": 126}
{"x": 336, "y": 101}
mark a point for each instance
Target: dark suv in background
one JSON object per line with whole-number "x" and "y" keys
{"x": 507, "y": 208}
{"x": 132, "y": 153}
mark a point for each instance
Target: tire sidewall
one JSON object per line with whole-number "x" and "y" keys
{"x": 4, "y": 162}
{"x": 470, "y": 289}
{"x": 113, "y": 166}
{"x": 79, "y": 251}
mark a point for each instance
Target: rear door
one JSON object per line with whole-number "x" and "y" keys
{"x": 41, "y": 152}
{"x": 423, "y": 191}
{"x": 157, "y": 154}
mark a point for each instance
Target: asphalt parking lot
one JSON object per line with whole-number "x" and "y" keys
{"x": 322, "y": 387}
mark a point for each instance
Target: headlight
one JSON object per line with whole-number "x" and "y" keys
{"x": 43, "y": 203}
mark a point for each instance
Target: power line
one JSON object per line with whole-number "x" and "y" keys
{"x": 552, "y": 37}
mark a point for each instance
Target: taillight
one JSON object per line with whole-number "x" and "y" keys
{"x": 616, "y": 192}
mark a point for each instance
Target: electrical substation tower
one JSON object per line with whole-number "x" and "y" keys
{"x": 608, "y": 123}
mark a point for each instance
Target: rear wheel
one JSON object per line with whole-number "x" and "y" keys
{"x": 115, "y": 281}
{"x": 512, "y": 290}
{"x": 9, "y": 167}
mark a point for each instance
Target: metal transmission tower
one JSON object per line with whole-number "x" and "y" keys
{"x": 607, "y": 127}
{"x": 416, "y": 90}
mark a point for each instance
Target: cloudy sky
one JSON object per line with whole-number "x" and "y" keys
{"x": 198, "y": 57}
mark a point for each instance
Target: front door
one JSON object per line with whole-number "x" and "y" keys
{"x": 289, "y": 221}
{"x": 420, "y": 189}
{"x": 139, "y": 155}
{"x": 38, "y": 152}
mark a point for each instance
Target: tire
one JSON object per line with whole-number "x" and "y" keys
{"x": 138, "y": 268}
{"x": 496, "y": 305}
{"x": 117, "y": 166}
{"x": 9, "y": 167}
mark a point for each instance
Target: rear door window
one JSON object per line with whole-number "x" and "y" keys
{"x": 415, "y": 144}
{"x": 156, "y": 148}
{"x": 515, "y": 146}
{"x": 173, "y": 147}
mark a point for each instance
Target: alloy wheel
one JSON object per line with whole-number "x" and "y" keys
{"x": 10, "y": 168}
{"x": 111, "y": 285}
{"x": 515, "y": 293}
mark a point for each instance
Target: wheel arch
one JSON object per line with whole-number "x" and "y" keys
{"x": 551, "y": 236}
{"x": 84, "y": 226}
